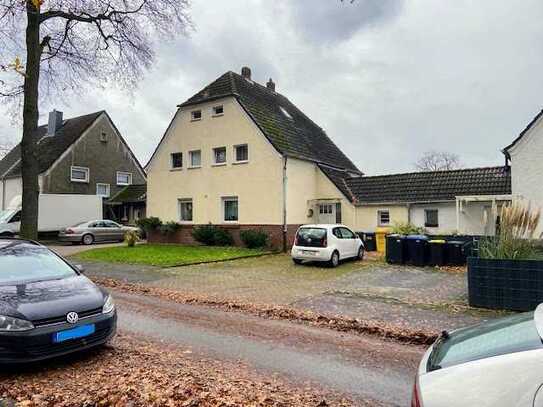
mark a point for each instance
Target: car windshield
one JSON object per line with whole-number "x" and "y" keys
{"x": 6, "y": 215}
{"x": 20, "y": 262}
{"x": 310, "y": 237}
{"x": 502, "y": 336}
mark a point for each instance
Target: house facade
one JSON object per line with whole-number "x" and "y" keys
{"x": 80, "y": 155}
{"x": 240, "y": 155}
{"x": 524, "y": 156}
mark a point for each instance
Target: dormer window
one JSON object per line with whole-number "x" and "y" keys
{"x": 284, "y": 111}
{"x": 196, "y": 115}
{"x": 218, "y": 110}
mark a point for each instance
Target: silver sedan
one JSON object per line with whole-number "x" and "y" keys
{"x": 95, "y": 231}
{"x": 494, "y": 364}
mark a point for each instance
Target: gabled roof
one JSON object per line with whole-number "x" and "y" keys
{"x": 431, "y": 186}
{"x": 50, "y": 148}
{"x": 130, "y": 193}
{"x": 522, "y": 133}
{"x": 287, "y": 128}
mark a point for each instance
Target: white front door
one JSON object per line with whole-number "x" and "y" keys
{"x": 326, "y": 213}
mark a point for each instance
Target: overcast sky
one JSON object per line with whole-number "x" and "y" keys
{"x": 386, "y": 79}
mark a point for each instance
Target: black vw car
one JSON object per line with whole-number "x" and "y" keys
{"x": 47, "y": 306}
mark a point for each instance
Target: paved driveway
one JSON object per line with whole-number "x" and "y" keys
{"x": 67, "y": 249}
{"x": 422, "y": 298}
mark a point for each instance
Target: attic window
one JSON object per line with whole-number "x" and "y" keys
{"x": 287, "y": 114}
{"x": 196, "y": 115}
{"x": 103, "y": 137}
{"x": 218, "y": 110}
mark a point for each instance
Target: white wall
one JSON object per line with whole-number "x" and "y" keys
{"x": 527, "y": 167}
{"x": 446, "y": 217}
{"x": 11, "y": 187}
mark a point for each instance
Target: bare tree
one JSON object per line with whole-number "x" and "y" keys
{"x": 437, "y": 161}
{"x": 70, "y": 45}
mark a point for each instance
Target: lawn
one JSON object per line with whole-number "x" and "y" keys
{"x": 166, "y": 255}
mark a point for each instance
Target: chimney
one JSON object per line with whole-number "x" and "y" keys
{"x": 271, "y": 85}
{"x": 54, "y": 123}
{"x": 246, "y": 72}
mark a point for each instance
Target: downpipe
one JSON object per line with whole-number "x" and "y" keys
{"x": 284, "y": 204}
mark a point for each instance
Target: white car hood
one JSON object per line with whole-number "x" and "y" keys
{"x": 510, "y": 380}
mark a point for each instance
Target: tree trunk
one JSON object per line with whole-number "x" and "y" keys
{"x": 30, "y": 167}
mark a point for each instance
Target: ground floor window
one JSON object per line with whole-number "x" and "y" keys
{"x": 185, "y": 210}
{"x": 230, "y": 209}
{"x": 383, "y": 218}
{"x": 102, "y": 190}
{"x": 338, "y": 212}
{"x": 431, "y": 218}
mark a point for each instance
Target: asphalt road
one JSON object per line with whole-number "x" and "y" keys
{"x": 359, "y": 367}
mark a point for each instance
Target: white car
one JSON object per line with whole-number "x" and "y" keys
{"x": 326, "y": 243}
{"x": 494, "y": 364}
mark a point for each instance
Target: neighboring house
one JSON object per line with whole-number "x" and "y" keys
{"x": 464, "y": 201}
{"x": 241, "y": 155}
{"x": 129, "y": 203}
{"x": 81, "y": 155}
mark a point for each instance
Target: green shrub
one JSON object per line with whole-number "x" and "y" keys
{"x": 212, "y": 235}
{"x": 149, "y": 224}
{"x": 131, "y": 238}
{"x": 223, "y": 237}
{"x": 253, "y": 238}
{"x": 204, "y": 234}
{"x": 406, "y": 228}
{"x": 169, "y": 228}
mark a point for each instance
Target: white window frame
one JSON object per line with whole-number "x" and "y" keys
{"x": 236, "y": 154}
{"x": 193, "y": 113}
{"x": 426, "y": 210}
{"x": 171, "y": 161}
{"x": 225, "y": 199}
{"x": 215, "y": 163}
{"x": 86, "y": 170}
{"x": 381, "y": 212}
{"x": 190, "y": 159}
{"x": 108, "y": 189}
{"x": 124, "y": 173}
{"x": 214, "y": 110}
{"x": 181, "y": 201}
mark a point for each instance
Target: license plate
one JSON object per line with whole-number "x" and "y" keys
{"x": 79, "y": 332}
{"x": 309, "y": 252}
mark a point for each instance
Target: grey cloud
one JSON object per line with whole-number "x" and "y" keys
{"x": 329, "y": 21}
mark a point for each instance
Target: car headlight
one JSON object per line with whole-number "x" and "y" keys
{"x": 10, "y": 324}
{"x": 109, "y": 305}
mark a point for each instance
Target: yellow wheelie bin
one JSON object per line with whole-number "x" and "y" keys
{"x": 380, "y": 238}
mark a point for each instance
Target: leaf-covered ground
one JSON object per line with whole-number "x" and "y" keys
{"x": 134, "y": 372}
{"x": 166, "y": 255}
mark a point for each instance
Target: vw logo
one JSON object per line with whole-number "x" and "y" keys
{"x": 72, "y": 317}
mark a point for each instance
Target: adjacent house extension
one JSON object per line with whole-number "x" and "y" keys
{"x": 465, "y": 201}
{"x": 525, "y": 155}
{"x": 80, "y": 155}
{"x": 241, "y": 155}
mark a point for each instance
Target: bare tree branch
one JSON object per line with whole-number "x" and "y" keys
{"x": 438, "y": 161}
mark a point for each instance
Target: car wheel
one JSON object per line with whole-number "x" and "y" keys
{"x": 87, "y": 239}
{"x": 297, "y": 261}
{"x": 360, "y": 255}
{"x": 334, "y": 260}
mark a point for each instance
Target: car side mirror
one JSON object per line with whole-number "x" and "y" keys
{"x": 80, "y": 268}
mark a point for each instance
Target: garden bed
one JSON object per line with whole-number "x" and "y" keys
{"x": 515, "y": 285}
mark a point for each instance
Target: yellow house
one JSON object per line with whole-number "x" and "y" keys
{"x": 241, "y": 155}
